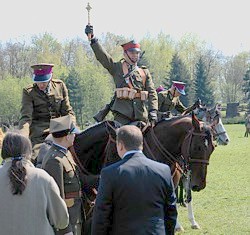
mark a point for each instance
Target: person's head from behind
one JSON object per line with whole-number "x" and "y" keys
{"x": 63, "y": 130}
{"x": 16, "y": 147}
{"x": 128, "y": 138}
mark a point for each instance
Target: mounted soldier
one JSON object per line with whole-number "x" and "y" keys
{"x": 45, "y": 99}
{"x": 169, "y": 100}
{"x": 135, "y": 96}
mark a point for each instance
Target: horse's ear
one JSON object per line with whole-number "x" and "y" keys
{"x": 195, "y": 122}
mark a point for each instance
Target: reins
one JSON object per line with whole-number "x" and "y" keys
{"x": 165, "y": 153}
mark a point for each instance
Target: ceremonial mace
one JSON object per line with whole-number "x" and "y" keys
{"x": 88, "y": 9}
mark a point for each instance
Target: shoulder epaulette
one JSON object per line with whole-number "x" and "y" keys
{"x": 29, "y": 87}
{"x": 143, "y": 67}
{"x": 57, "y": 80}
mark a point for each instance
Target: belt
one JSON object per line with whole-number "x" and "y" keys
{"x": 73, "y": 195}
{"x": 137, "y": 95}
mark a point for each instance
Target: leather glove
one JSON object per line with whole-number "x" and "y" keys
{"x": 152, "y": 116}
{"x": 89, "y": 30}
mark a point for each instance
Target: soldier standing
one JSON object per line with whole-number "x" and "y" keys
{"x": 59, "y": 163}
{"x": 134, "y": 86}
{"x": 169, "y": 100}
{"x": 43, "y": 100}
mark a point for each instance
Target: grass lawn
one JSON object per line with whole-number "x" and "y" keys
{"x": 223, "y": 207}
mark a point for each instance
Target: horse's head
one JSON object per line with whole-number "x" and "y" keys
{"x": 196, "y": 150}
{"x": 213, "y": 118}
{"x": 219, "y": 131}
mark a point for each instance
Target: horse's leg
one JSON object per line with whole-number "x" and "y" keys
{"x": 178, "y": 227}
{"x": 181, "y": 194}
{"x": 194, "y": 224}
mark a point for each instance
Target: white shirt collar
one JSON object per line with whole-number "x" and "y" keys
{"x": 131, "y": 151}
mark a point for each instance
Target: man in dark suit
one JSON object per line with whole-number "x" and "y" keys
{"x": 136, "y": 194}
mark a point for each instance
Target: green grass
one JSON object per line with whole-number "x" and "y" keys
{"x": 223, "y": 206}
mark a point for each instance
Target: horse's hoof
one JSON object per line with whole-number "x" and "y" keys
{"x": 179, "y": 230}
{"x": 196, "y": 226}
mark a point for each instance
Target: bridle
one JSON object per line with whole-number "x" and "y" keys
{"x": 212, "y": 119}
{"x": 185, "y": 148}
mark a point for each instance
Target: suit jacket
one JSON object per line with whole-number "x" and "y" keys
{"x": 135, "y": 109}
{"x": 38, "y": 108}
{"x": 135, "y": 196}
{"x": 35, "y": 211}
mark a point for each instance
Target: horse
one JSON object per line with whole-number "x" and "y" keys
{"x": 211, "y": 117}
{"x": 247, "y": 125}
{"x": 184, "y": 143}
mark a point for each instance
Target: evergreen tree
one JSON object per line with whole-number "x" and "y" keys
{"x": 246, "y": 89}
{"x": 180, "y": 73}
{"x": 75, "y": 94}
{"x": 202, "y": 86}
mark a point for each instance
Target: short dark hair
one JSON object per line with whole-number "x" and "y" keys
{"x": 60, "y": 134}
{"x": 16, "y": 147}
{"x": 130, "y": 136}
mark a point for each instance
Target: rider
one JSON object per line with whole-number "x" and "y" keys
{"x": 43, "y": 100}
{"x": 134, "y": 86}
{"x": 169, "y": 100}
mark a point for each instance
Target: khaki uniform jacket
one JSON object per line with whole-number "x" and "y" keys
{"x": 63, "y": 169}
{"x": 166, "y": 102}
{"x": 38, "y": 108}
{"x": 35, "y": 211}
{"x": 133, "y": 109}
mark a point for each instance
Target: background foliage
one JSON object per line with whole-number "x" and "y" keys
{"x": 209, "y": 74}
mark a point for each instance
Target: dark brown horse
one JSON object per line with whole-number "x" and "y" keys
{"x": 183, "y": 143}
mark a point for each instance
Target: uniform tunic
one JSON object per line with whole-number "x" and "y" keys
{"x": 61, "y": 166}
{"x": 166, "y": 102}
{"x": 126, "y": 110}
{"x": 38, "y": 108}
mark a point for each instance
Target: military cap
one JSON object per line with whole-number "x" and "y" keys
{"x": 63, "y": 124}
{"x": 131, "y": 46}
{"x": 42, "y": 72}
{"x": 180, "y": 87}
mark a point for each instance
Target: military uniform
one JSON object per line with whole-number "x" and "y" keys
{"x": 38, "y": 108}
{"x": 59, "y": 163}
{"x": 128, "y": 110}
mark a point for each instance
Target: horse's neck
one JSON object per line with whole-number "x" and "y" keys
{"x": 91, "y": 136}
{"x": 170, "y": 134}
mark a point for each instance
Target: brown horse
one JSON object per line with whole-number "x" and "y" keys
{"x": 183, "y": 143}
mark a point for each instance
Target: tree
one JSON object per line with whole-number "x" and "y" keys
{"x": 180, "y": 73}
{"x": 231, "y": 78}
{"x": 202, "y": 84}
{"x": 75, "y": 94}
{"x": 246, "y": 89}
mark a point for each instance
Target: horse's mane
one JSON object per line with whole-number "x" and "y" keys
{"x": 172, "y": 119}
